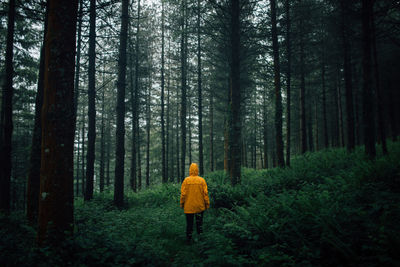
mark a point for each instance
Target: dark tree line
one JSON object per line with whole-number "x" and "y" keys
{"x": 227, "y": 84}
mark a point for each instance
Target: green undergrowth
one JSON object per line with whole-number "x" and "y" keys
{"x": 330, "y": 208}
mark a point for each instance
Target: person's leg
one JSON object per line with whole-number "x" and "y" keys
{"x": 189, "y": 226}
{"x": 199, "y": 222}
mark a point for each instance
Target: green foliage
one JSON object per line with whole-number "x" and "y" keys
{"x": 331, "y": 208}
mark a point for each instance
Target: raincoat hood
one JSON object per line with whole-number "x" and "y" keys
{"x": 194, "y": 169}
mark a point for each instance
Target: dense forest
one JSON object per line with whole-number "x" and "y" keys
{"x": 291, "y": 109}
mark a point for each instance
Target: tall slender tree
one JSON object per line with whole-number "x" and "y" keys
{"x": 235, "y": 131}
{"x": 163, "y": 153}
{"x": 199, "y": 89}
{"x": 90, "y": 156}
{"x": 347, "y": 77}
{"x": 183, "y": 49}
{"x": 277, "y": 84}
{"x": 120, "y": 131}
{"x": 368, "y": 106}
{"x": 288, "y": 80}
{"x": 303, "y": 131}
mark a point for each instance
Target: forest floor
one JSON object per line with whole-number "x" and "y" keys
{"x": 330, "y": 208}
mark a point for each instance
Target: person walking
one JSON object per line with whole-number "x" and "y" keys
{"x": 194, "y": 200}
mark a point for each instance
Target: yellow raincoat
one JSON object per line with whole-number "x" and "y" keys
{"x": 194, "y": 194}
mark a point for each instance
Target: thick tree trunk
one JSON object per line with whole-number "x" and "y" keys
{"x": 277, "y": 84}
{"x": 58, "y": 124}
{"x": 6, "y": 115}
{"x": 235, "y": 130}
{"x": 120, "y": 131}
{"x": 90, "y": 156}
{"x": 368, "y": 106}
{"x": 35, "y": 156}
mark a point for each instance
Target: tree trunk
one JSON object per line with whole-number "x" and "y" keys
{"x": 90, "y": 156}
{"x": 303, "y": 131}
{"x": 178, "y": 177}
{"x": 102, "y": 138}
{"x": 277, "y": 84}
{"x": 35, "y": 157}
{"x": 339, "y": 99}
{"x": 265, "y": 131}
{"x": 148, "y": 136}
{"x": 199, "y": 87}
{"x": 137, "y": 102}
{"x": 368, "y": 106}
{"x": 183, "y": 88}
{"x": 347, "y": 78}
{"x": 6, "y": 112}
{"x": 58, "y": 124}
{"x": 133, "y": 181}
{"x": 235, "y": 130}
{"x": 288, "y": 83}
{"x": 120, "y": 131}
{"x": 381, "y": 118}
{"x": 108, "y": 182}
{"x": 324, "y": 113}
{"x": 83, "y": 152}
{"x": 212, "y": 131}
{"x": 163, "y": 162}
{"x": 78, "y": 55}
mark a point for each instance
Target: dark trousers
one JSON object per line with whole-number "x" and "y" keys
{"x": 189, "y": 224}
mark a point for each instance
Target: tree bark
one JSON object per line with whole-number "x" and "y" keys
{"x": 90, "y": 156}
{"x": 288, "y": 82}
{"x": 102, "y": 138}
{"x": 211, "y": 130}
{"x": 368, "y": 106}
{"x": 199, "y": 88}
{"x": 148, "y": 136}
{"x": 183, "y": 88}
{"x": 265, "y": 130}
{"x": 83, "y": 153}
{"x": 137, "y": 101}
{"x": 35, "y": 155}
{"x": 347, "y": 78}
{"x": 303, "y": 131}
{"x": 381, "y": 118}
{"x": 6, "y": 112}
{"x": 133, "y": 177}
{"x": 277, "y": 84}
{"x": 58, "y": 124}
{"x": 235, "y": 130}
{"x": 163, "y": 162}
{"x": 120, "y": 131}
